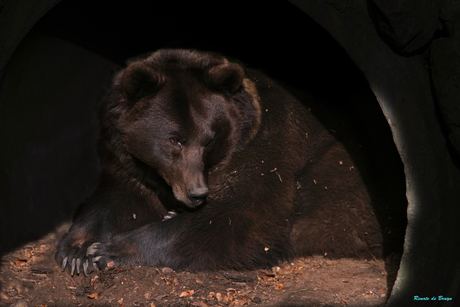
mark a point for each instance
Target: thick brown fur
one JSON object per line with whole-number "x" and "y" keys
{"x": 251, "y": 176}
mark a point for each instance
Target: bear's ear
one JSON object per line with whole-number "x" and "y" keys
{"x": 140, "y": 80}
{"x": 227, "y": 77}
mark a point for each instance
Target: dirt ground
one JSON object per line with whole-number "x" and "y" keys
{"x": 29, "y": 276}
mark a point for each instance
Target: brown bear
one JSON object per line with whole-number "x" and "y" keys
{"x": 210, "y": 165}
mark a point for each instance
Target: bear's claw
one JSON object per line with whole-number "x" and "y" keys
{"x": 72, "y": 267}
{"x": 64, "y": 263}
{"x": 92, "y": 249}
{"x": 170, "y": 215}
{"x": 76, "y": 265}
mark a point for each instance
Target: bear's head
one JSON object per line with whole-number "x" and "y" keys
{"x": 175, "y": 116}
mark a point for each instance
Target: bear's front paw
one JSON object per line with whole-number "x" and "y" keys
{"x": 96, "y": 252}
{"x": 72, "y": 254}
{"x": 111, "y": 251}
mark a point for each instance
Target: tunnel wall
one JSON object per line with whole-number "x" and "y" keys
{"x": 403, "y": 87}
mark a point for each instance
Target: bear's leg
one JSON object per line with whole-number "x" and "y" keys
{"x": 333, "y": 213}
{"x": 112, "y": 209}
{"x": 246, "y": 231}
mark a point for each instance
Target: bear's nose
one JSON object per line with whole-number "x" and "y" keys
{"x": 197, "y": 195}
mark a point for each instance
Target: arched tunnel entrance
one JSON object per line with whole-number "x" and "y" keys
{"x": 58, "y": 58}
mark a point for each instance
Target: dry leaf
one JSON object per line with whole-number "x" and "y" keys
{"x": 297, "y": 269}
{"x": 187, "y": 293}
{"x": 198, "y": 281}
{"x": 148, "y": 295}
{"x": 93, "y": 281}
{"x": 20, "y": 262}
{"x": 95, "y": 295}
{"x": 170, "y": 282}
{"x": 276, "y": 269}
{"x": 111, "y": 264}
{"x": 279, "y": 287}
{"x": 199, "y": 304}
{"x": 268, "y": 277}
{"x": 227, "y": 299}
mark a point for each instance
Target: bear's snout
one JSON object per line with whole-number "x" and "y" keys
{"x": 197, "y": 195}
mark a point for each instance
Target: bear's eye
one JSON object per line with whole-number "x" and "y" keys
{"x": 176, "y": 142}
